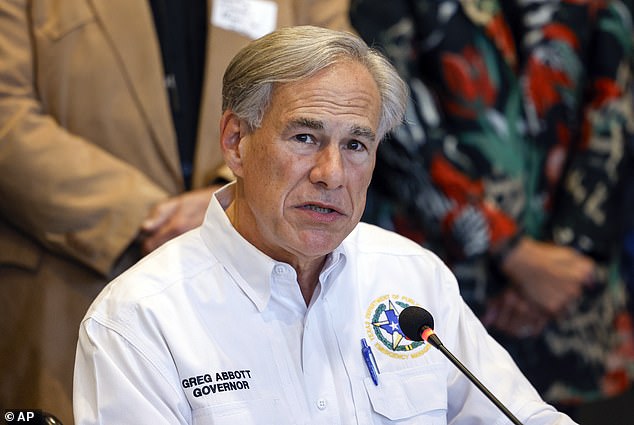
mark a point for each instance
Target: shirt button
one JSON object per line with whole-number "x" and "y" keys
{"x": 322, "y": 404}
{"x": 279, "y": 270}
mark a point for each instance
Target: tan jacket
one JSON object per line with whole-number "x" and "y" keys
{"x": 87, "y": 147}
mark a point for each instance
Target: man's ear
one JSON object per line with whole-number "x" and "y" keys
{"x": 231, "y": 133}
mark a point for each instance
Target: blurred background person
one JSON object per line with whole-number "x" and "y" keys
{"x": 628, "y": 206}
{"x": 509, "y": 166}
{"x": 109, "y": 147}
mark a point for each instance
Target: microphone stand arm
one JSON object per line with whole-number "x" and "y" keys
{"x": 435, "y": 341}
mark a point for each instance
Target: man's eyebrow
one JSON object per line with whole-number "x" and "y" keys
{"x": 305, "y": 123}
{"x": 363, "y": 132}
{"x": 355, "y": 130}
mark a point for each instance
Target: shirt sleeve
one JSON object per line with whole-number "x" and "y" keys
{"x": 589, "y": 199}
{"x": 116, "y": 382}
{"x": 455, "y": 168}
{"x": 465, "y": 337}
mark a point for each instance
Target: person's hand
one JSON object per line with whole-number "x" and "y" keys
{"x": 511, "y": 313}
{"x": 548, "y": 275}
{"x": 173, "y": 217}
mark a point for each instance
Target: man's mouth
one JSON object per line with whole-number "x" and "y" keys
{"x": 319, "y": 209}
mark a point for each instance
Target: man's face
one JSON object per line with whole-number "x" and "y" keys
{"x": 303, "y": 175}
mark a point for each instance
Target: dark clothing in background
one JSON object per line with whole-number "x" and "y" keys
{"x": 181, "y": 27}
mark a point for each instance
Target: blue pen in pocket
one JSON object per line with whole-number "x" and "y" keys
{"x": 370, "y": 361}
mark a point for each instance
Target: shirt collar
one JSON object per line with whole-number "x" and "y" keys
{"x": 333, "y": 266}
{"x": 250, "y": 268}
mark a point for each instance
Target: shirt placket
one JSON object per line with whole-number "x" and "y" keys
{"x": 319, "y": 367}
{"x": 285, "y": 341}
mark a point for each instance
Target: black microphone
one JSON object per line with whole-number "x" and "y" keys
{"x": 418, "y": 325}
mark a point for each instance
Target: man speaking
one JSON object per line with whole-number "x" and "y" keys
{"x": 282, "y": 308}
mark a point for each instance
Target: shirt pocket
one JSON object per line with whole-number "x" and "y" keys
{"x": 410, "y": 396}
{"x": 243, "y": 412}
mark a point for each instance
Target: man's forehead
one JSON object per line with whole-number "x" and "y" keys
{"x": 342, "y": 94}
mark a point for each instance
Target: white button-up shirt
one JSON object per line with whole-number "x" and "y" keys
{"x": 209, "y": 330}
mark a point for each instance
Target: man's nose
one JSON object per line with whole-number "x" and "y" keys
{"x": 328, "y": 169}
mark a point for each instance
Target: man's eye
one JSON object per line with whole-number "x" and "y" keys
{"x": 355, "y": 145}
{"x": 304, "y": 138}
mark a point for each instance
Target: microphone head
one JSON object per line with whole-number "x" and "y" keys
{"x": 413, "y": 320}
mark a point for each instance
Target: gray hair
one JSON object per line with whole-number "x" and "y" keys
{"x": 295, "y": 53}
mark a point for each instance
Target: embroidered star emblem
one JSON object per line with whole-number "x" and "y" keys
{"x": 391, "y": 325}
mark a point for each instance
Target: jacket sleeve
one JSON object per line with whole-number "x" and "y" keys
{"x": 68, "y": 194}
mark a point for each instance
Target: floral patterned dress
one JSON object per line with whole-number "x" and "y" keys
{"x": 519, "y": 120}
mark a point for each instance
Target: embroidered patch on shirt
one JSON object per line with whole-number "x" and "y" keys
{"x": 216, "y": 382}
{"x": 384, "y": 332}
